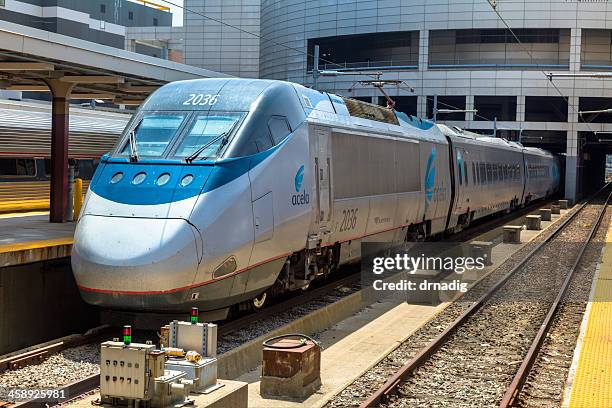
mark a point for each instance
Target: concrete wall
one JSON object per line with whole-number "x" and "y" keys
{"x": 40, "y": 302}
{"x": 293, "y": 22}
{"x": 100, "y": 21}
{"x": 161, "y": 42}
{"x": 211, "y": 45}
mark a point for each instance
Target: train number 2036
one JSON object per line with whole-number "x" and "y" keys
{"x": 349, "y": 219}
{"x": 201, "y": 99}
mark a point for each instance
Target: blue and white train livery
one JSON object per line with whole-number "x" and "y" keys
{"x": 224, "y": 191}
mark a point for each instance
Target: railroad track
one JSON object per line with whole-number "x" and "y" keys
{"x": 37, "y": 354}
{"x": 274, "y": 309}
{"x": 496, "y": 340}
{"x": 90, "y": 383}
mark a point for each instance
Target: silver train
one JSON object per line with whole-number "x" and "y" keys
{"x": 228, "y": 191}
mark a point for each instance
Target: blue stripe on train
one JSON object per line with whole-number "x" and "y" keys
{"x": 207, "y": 176}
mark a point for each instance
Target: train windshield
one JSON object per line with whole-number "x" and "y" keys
{"x": 154, "y": 133}
{"x": 207, "y": 134}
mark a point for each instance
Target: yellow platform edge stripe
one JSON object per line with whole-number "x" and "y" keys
{"x": 592, "y": 383}
{"x": 44, "y": 243}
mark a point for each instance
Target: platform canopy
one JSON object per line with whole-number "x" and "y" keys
{"x": 69, "y": 68}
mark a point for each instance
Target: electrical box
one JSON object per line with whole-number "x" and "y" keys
{"x": 137, "y": 372}
{"x": 200, "y": 337}
{"x": 123, "y": 369}
{"x": 203, "y": 373}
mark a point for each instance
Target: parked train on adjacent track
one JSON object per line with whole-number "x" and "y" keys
{"x": 224, "y": 191}
{"x": 25, "y": 139}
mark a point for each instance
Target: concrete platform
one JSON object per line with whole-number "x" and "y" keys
{"x": 590, "y": 378}
{"x": 233, "y": 394}
{"x": 30, "y": 237}
{"x": 36, "y": 282}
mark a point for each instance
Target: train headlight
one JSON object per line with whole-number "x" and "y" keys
{"x": 139, "y": 178}
{"x": 187, "y": 180}
{"x": 163, "y": 179}
{"x": 117, "y": 177}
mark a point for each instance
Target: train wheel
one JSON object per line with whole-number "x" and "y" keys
{"x": 260, "y": 301}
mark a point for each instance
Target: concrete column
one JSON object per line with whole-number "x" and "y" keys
{"x": 469, "y": 104}
{"x": 423, "y": 49}
{"x": 572, "y": 160}
{"x": 520, "y": 109}
{"x": 422, "y": 106}
{"x": 575, "y": 49}
{"x": 60, "y": 121}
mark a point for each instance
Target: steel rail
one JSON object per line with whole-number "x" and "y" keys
{"x": 390, "y": 386}
{"x": 244, "y": 321}
{"x": 72, "y": 391}
{"x": 37, "y": 354}
{"x": 514, "y": 389}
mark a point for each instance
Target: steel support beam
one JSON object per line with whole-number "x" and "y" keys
{"x": 26, "y": 66}
{"x": 92, "y": 79}
{"x": 60, "y": 121}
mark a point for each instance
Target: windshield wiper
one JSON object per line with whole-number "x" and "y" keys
{"x": 133, "y": 147}
{"x": 199, "y": 151}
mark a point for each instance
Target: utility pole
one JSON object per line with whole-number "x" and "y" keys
{"x": 495, "y": 126}
{"x": 315, "y": 68}
{"x": 435, "y": 108}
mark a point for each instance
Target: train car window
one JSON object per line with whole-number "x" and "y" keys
{"x": 155, "y": 132}
{"x": 207, "y": 129}
{"x": 489, "y": 173}
{"x": 483, "y": 173}
{"x": 17, "y": 167}
{"x": 465, "y": 167}
{"x": 516, "y": 172}
{"x": 279, "y": 128}
{"x": 474, "y": 179}
{"x": 460, "y": 173}
{"x": 263, "y": 141}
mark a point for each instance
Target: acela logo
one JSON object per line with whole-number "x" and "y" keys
{"x": 299, "y": 178}
{"x": 430, "y": 176}
{"x": 299, "y": 198}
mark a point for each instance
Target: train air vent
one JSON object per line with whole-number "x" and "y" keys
{"x": 366, "y": 110}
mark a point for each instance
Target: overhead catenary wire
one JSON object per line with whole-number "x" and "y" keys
{"x": 532, "y": 58}
{"x": 261, "y": 37}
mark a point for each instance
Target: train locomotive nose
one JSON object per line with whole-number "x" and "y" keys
{"x": 135, "y": 263}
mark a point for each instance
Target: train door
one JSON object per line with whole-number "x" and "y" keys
{"x": 320, "y": 148}
{"x": 460, "y": 179}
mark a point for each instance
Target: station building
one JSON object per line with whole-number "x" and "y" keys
{"x": 459, "y": 52}
{"x": 101, "y": 21}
